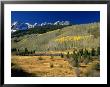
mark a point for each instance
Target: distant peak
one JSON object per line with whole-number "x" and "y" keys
{"x": 29, "y": 25}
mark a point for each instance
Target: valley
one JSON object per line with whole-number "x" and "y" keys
{"x": 72, "y": 51}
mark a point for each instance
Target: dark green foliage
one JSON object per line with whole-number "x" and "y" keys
{"x": 75, "y": 59}
{"x": 52, "y": 56}
{"x": 16, "y": 40}
{"x": 18, "y": 50}
{"x": 40, "y": 58}
{"x": 13, "y": 49}
{"x": 87, "y": 58}
{"x": 85, "y": 53}
{"x": 26, "y": 51}
{"x": 68, "y": 55}
{"x": 62, "y": 56}
{"x": 31, "y": 52}
{"x": 93, "y": 52}
{"x": 80, "y": 52}
{"x": 83, "y": 56}
{"x": 38, "y": 30}
{"x": 97, "y": 66}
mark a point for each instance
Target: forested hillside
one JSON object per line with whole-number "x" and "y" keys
{"x": 61, "y": 39}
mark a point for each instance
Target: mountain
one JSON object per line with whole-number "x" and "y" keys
{"x": 62, "y": 23}
{"x": 22, "y": 26}
{"x": 66, "y": 38}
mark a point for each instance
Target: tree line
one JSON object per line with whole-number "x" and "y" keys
{"x": 38, "y": 30}
{"x": 83, "y": 55}
{"x": 24, "y": 52}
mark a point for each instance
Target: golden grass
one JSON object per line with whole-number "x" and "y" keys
{"x": 42, "y": 67}
{"x": 32, "y": 64}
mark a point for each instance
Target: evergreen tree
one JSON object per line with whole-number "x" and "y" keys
{"x": 62, "y": 56}
{"x": 85, "y": 53}
{"x": 81, "y": 52}
{"x": 34, "y": 52}
{"x": 68, "y": 55}
{"x": 26, "y": 51}
{"x": 75, "y": 59}
{"x": 75, "y": 62}
{"x": 87, "y": 59}
{"x": 18, "y": 50}
{"x": 93, "y": 52}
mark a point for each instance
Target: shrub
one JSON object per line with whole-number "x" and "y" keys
{"x": 86, "y": 61}
{"x": 62, "y": 56}
{"x": 97, "y": 66}
{"x": 92, "y": 70}
{"x": 91, "y": 73}
{"x": 52, "y": 57}
{"x": 51, "y": 65}
{"x": 40, "y": 58}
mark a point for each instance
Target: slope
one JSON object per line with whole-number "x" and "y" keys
{"x": 67, "y": 38}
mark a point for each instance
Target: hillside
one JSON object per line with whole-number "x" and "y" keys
{"x": 67, "y": 38}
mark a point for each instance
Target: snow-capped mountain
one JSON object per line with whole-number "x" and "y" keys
{"x": 13, "y": 27}
{"x": 22, "y": 26}
{"x": 29, "y": 25}
{"x": 14, "y": 23}
{"x": 62, "y": 23}
{"x": 13, "y": 31}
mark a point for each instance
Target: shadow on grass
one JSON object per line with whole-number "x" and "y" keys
{"x": 18, "y": 72}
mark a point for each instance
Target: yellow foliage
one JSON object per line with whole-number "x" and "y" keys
{"x": 72, "y": 38}
{"x": 24, "y": 40}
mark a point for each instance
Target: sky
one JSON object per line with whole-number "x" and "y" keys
{"x": 75, "y": 17}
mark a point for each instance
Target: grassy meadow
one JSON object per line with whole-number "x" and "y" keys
{"x": 72, "y": 51}
{"x": 52, "y": 67}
